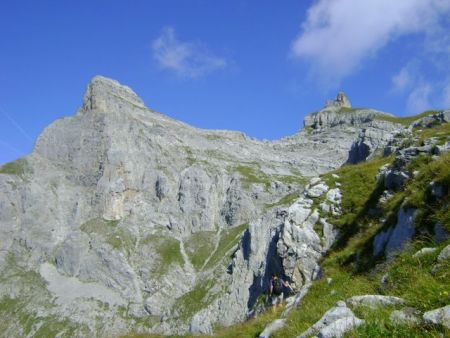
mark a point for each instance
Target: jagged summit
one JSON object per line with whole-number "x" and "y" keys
{"x": 341, "y": 101}
{"x": 104, "y": 94}
{"x": 127, "y": 208}
{"x": 340, "y": 112}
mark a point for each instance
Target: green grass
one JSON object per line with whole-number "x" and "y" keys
{"x": 360, "y": 190}
{"x": 118, "y": 237}
{"x": 228, "y": 239}
{"x": 14, "y": 313}
{"x": 286, "y": 200}
{"x": 322, "y": 296}
{"x": 249, "y": 329}
{"x": 441, "y": 132}
{"x": 190, "y": 157}
{"x": 31, "y": 293}
{"x": 406, "y": 121}
{"x": 168, "y": 251}
{"x": 378, "y": 324}
{"x": 199, "y": 247}
{"x": 19, "y": 167}
{"x": 195, "y": 300}
{"x": 253, "y": 174}
{"x": 99, "y": 226}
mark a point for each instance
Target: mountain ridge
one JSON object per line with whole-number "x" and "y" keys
{"x": 179, "y": 227}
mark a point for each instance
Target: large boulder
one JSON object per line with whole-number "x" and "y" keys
{"x": 439, "y": 316}
{"x": 334, "y": 323}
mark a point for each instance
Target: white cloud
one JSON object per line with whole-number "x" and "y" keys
{"x": 419, "y": 99}
{"x": 339, "y": 34}
{"x": 186, "y": 59}
{"x": 402, "y": 80}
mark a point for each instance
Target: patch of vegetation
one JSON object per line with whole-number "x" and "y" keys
{"x": 215, "y": 154}
{"x": 228, "y": 240}
{"x": 195, "y": 300}
{"x": 360, "y": 191}
{"x": 190, "y": 157}
{"x": 348, "y": 110}
{"x": 118, "y": 237}
{"x": 290, "y": 179}
{"x": 286, "y": 200}
{"x": 249, "y": 329}
{"x": 213, "y": 137}
{"x": 168, "y": 251}
{"x": 19, "y": 167}
{"x": 253, "y": 174}
{"x": 199, "y": 247}
{"x": 440, "y": 132}
{"x": 18, "y": 318}
{"x": 378, "y": 324}
{"x": 99, "y": 226}
{"x": 407, "y": 120}
{"x": 322, "y": 296}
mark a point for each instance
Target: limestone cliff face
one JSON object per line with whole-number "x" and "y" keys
{"x": 154, "y": 225}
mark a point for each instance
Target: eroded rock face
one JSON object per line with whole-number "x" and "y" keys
{"x": 151, "y": 212}
{"x": 395, "y": 237}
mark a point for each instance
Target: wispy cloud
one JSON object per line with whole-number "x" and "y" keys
{"x": 419, "y": 99}
{"x": 402, "y": 80}
{"x": 338, "y": 35}
{"x": 185, "y": 59}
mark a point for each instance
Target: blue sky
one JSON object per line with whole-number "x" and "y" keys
{"x": 255, "y": 66}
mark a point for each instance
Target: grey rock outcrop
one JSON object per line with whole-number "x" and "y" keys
{"x": 444, "y": 254}
{"x": 424, "y": 252}
{"x": 274, "y": 326}
{"x": 394, "y": 238}
{"x": 123, "y": 200}
{"x": 334, "y": 323}
{"x": 374, "y": 300}
{"x": 438, "y": 316}
{"x": 408, "y": 316}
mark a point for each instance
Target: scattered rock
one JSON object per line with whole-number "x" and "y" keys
{"x": 325, "y": 207}
{"x": 384, "y": 279}
{"x": 272, "y": 327}
{"x": 424, "y": 252}
{"x": 339, "y": 327}
{"x": 408, "y": 315}
{"x": 334, "y": 196}
{"x": 445, "y": 254}
{"x": 314, "y": 181}
{"x": 334, "y": 323}
{"x": 439, "y": 316}
{"x": 374, "y": 300}
{"x": 330, "y": 234}
{"x": 317, "y": 190}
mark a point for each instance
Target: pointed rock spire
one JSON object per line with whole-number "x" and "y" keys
{"x": 103, "y": 94}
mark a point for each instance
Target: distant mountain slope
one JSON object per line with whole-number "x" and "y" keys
{"x": 123, "y": 219}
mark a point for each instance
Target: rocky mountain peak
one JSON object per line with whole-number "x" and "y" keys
{"x": 341, "y": 101}
{"x": 104, "y": 94}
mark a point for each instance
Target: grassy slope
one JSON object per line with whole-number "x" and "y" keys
{"x": 407, "y": 120}
{"x": 410, "y": 278}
